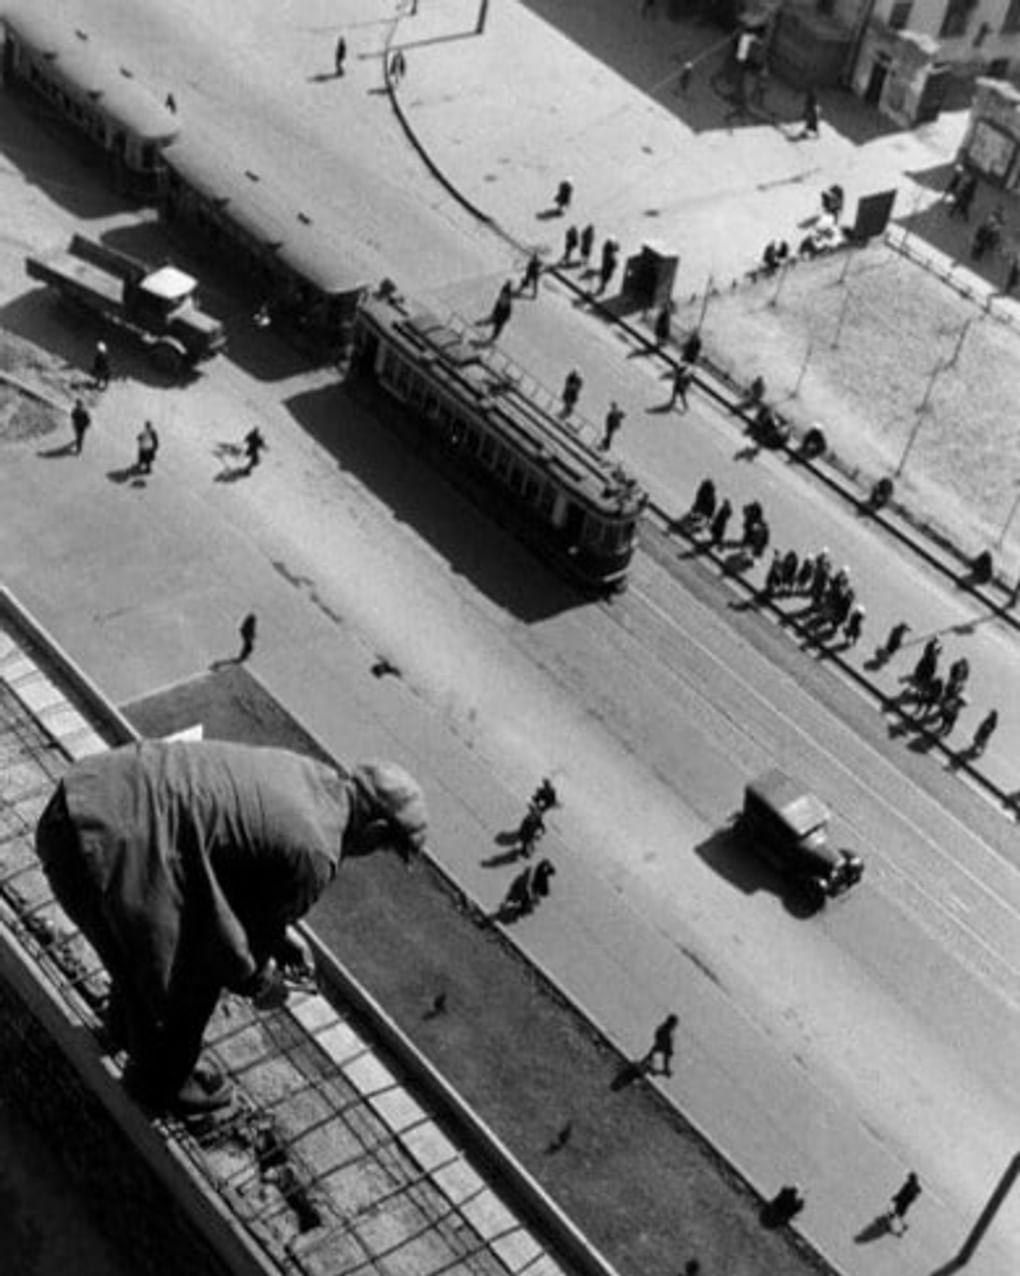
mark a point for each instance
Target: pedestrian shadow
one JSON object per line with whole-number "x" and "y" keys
{"x": 878, "y": 661}
{"x": 323, "y": 77}
{"x": 51, "y": 453}
{"x": 549, "y": 214}
{"x": 501, "y": 860}
{"x": 232, "y": 475}
{"x": 660, "y": 409}
{"x": 130, "y": 474}
{"x": 923, "y": 742}
{"x": 224, "y": 662}
{"x": 747, "y": 453}
{"x": 630, "y": 1071}
{"x": 874, "y": 1231}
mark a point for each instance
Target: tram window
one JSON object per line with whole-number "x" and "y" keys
{"x": 432, "y": 406}
{"x": 546, "y": 498}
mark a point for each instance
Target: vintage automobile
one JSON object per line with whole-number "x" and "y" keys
{"x": 787, "y": 826}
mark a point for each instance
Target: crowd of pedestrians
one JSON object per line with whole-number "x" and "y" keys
{"x": 832, "y": 615}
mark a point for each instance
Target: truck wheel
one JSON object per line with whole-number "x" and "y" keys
{"x": 169, "y": 356}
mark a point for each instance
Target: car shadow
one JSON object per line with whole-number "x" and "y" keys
{"x": 730, "y": 853}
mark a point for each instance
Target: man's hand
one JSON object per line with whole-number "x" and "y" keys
{"x": 295, "y": 955}
{"x": 269, "y": 988}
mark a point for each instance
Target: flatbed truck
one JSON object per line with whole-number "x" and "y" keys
{"x": 158, "y": 305}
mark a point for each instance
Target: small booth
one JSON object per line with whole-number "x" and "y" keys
{"x": 900, "y": 72}
{"x": 991, "y": 144}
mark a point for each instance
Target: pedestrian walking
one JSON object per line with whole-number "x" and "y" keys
{"x": 924, "y": 670}
{"x": 704, "y": 500}
{"x": 949, "y": 713}
{"x": 717, "y": 530}
{"x": 502, "y": 310}
{"x": 929, "y": 695}
{"x": 148, "y": 446}
{"x": 101, "y": 366}
{"x": 81, "y": 420}
{"x": 683, "y": 79}
{"x": 760, "y": 536}
{"x": 894, "y": 641}
{"x": 587, "y": 242}
{"x": 340, "y": 55}
{"x": 853, "y": 627}
{"x": 774, "y": 575}
{"x": 545, "y": 796}
{"x": 247, "y": 629}
{"x": 683, "y": 379}
{"x": 663, "y": 1047}
{"x": 805, "y": 575}
{"x": 901, "y": 1202}
{"x": 790, "y": 565}
{"x": 530, "y": 831}
{"x": 959, "y": 672}
{"x": 571, "y": 391}
{"x": 1012, "y": 274}
{"x": 532, "y": 274}
{"x": 691, "y": 350}
{"x": 663, "y": 324}
{"x": 544, "y": 872}
{"x": 964, "y": 197}
{"x": 784, "y": 1206}
{"x": 564, "y": 194}
{"x": 171, "y": 104}
{"x": 614, "y": 419}
{"x": 254, "y": 445}
{"x": 610, "y": 257}
{"x": 820, "y": 583}
{"x": 398, "y": 66}
{"x": 571, "y": 239}
{"x": 812, "y": 115}
{"x": 983, "y": 733}
{"x": 752, "y": 514}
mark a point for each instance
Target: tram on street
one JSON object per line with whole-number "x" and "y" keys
{"x": 477, "y": 415}
{"x": 64, "y": 67}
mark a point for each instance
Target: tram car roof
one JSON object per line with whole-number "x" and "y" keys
{"x": 496, "y": 389}
{"x": 78, "y": 60}
{"x": 301, "y": 240}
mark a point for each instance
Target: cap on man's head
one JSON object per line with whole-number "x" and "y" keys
{"x": 398, "y": 796}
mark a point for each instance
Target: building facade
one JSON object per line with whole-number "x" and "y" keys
{"x": 900, "y": 55}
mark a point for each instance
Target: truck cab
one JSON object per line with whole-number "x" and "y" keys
{"x": 163, "y": 302}
{"x": 788, "y": 827}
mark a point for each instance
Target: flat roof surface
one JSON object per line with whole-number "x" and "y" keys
{"x": 334, "y": 1163}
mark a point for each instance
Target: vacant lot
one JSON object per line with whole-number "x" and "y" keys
{"x": 851, "y": 343}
